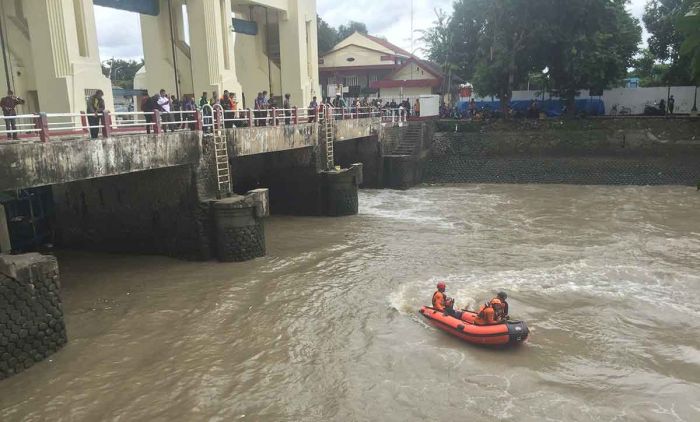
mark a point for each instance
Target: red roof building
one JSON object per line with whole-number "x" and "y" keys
{"x": 363, "y": 65}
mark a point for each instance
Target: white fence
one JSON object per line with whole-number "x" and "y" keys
{"x": 633, "y": 99}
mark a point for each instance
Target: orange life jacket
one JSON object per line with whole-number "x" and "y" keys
{"x": 439, "y": 300}
{"x": 486, "y": 315}
{"x": 498, "y": 307}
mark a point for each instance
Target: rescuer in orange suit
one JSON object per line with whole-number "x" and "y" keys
{"x": 501, "y": 297}
{"x": 443, "y": 303}
{"x": 490, "y": 313}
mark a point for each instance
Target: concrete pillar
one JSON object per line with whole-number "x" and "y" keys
{"x": 66, "y": 60}
{"x": 5, "y": 244}
{"x": 240, "y": 233}
{"x": 32, "y": 314}
{"x": 211, "y": 41}
{"x": 339, "y": 191}
{"x": 299, "y": 52}
{"x": 158, "y": 50}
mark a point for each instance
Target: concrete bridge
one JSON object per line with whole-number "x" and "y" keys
{"x": 162, "y": 193}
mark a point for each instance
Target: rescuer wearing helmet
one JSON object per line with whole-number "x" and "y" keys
{"x": 489, "y": 313}
{"x": 443, "y": 303}
{"x": 501, "y": 297}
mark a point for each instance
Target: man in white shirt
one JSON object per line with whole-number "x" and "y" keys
{"x": 165, "y": 116}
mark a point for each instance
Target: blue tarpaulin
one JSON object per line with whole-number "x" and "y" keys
{"x": 553, "y": 107}
{"x": 146, "y": 7}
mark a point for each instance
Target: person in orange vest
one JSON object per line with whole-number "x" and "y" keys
{"x": 443, "y": 303}
{"x": 501, "y": 297}
{"x": 489, "y": 313}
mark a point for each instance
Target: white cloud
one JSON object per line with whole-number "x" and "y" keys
{"x": 119, "y": 33}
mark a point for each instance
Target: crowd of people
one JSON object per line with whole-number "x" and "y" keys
{"x": 178, "y": 113}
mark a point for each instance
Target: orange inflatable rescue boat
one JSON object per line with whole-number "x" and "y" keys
{"x": 508, "y": 333}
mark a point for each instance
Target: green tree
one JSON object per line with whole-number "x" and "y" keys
{"x": 590, "y": 44}
{"x": 648, "y": 70}
{"x": 351, "y": 27}
{"x": 690, "y": 49}
{"x": 327, "y": 36}
{"x": 438, "y": 38}
{"x": 661, "y": 19}
{"x": 122, "y": 72}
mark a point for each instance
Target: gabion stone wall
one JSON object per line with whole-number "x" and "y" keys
{"x": 567, "y": 157}
{"x": 31, "y": 314}
{"x": 568, "y": 170}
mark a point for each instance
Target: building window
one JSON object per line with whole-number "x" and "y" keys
{"x": 373, "y": 77}
{"x": 352, "y": 81}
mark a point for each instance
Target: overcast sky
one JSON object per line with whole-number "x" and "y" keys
{"x": 119, "y": 33}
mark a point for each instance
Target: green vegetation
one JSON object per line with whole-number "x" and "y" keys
{"x": 690, "y": 49}
{"x": 122, "y": 72}
{"x": 497, "y": 44}
{"x": 564, "y": 46}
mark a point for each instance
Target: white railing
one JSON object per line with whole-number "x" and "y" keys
{"x": 80, "y": 125}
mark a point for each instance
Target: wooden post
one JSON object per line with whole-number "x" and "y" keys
{"x": 156, "y": 121}
{"x": 295, "y": 115}
{"x": 198, "y": 121}
{"x": 84, "y": 122}
{"x": 106, "y": 124}
{"x": 42, "y": 123}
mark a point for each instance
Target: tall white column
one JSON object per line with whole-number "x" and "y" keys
{"x": 299, "y": 52}
{"x": 158, "y": 51}
{"x": 65, "y": 55}
{"x": 211, "y": 40}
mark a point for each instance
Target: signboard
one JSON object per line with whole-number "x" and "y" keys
{"x": 241, "y": 26}
{"x": 146, "y": 7}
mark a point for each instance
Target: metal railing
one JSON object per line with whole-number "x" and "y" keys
{"x": 45, "y": 126}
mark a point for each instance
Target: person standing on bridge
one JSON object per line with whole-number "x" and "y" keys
{"x": 166, "y": 118}
{"x": 313, "y": 108}
{"x": 9, "y": 109}
{"x": 95, "y": 112}
{"x": 287, "y": 106}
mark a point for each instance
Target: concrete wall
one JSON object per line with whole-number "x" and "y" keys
{"x": 154, "y": 212}
{"x": 264, "y": 139}
{"x": 633, "y": 98}
{"x": 291, "y": 176}
{"x": 367, "y": 151}
{"x": 30, "y": 164}
{"x": 629, "y": 151}
{"x": 31, "y": 313}
{"x": 356, "y": 128}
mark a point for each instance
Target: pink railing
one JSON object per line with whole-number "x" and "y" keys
{"x": 45, "y": 126}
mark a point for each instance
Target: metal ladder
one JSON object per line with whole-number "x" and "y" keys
{"x": 218, "y": 135}
{"x": 327, "y": 134}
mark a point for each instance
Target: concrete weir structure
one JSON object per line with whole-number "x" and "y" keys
{"x": 158, "y": 193}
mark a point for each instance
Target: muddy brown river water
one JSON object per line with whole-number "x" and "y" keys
{"x": 325, "y": 327}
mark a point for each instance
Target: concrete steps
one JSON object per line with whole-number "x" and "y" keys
{"x": 410, "y": 142}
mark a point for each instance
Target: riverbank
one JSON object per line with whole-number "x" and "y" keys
{"x": 585, "y": 151}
